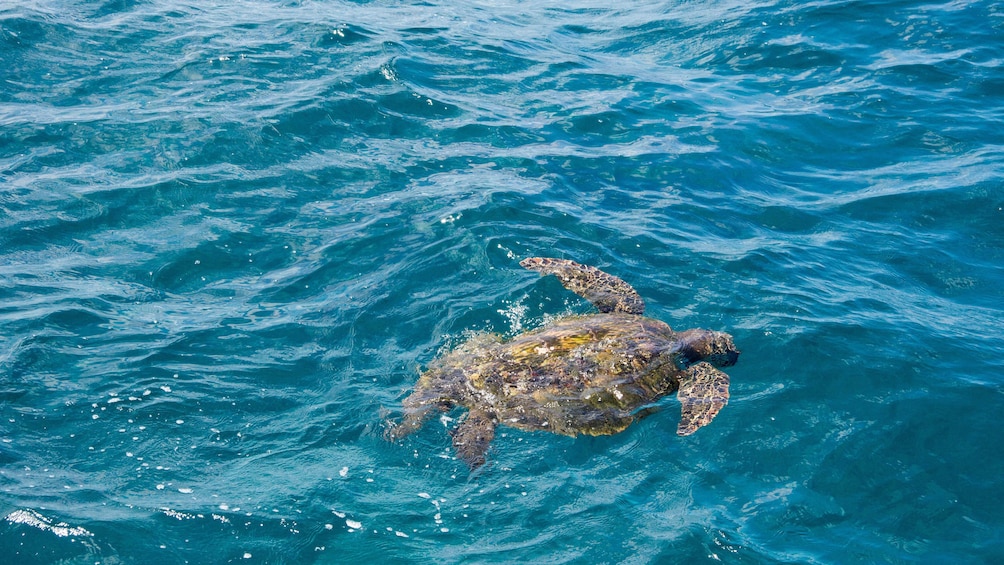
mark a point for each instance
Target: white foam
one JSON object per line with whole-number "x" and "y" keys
{"x": 36, "y": 520}
{"x": 176, "y": 515}
{"x": 516, "y": 314}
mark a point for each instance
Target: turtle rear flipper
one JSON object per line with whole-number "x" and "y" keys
{"x": 411, "y": 422}
{"x": 472, "y": 437}
{"x": 417, "y": 408}
{"x": 704, "y": 390}
{"x": 607, "y": 292}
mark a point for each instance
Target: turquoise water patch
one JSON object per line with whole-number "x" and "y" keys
{"x": 233, "y": 234}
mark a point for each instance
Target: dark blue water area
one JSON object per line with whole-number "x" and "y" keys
{"x": 232, "y": 234}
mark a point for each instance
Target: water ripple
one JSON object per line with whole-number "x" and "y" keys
{"x": 231, "y": 234}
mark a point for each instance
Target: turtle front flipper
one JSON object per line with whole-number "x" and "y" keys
{"x": 703, "y": 391}
{"x": 472, "y": 437}
{"x": 607, "y": 292}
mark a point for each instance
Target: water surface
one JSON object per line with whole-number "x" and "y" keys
{"x": 232, "y": 233}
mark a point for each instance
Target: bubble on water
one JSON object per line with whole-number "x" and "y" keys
{"x": 185, "y": 490}
{"x": 343, "y": 472}
{"x": 353, "y": 524}
{"x": 508, "y": 252}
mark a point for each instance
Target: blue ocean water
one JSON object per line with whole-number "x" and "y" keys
{"x": 232, "y": 234}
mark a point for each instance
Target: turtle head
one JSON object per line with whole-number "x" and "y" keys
{"x": 716, "y": 348}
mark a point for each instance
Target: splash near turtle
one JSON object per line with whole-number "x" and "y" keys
{"x": 593, "y": 374}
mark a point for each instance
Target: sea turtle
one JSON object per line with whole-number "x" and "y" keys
{"x": 593, "y": 374}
